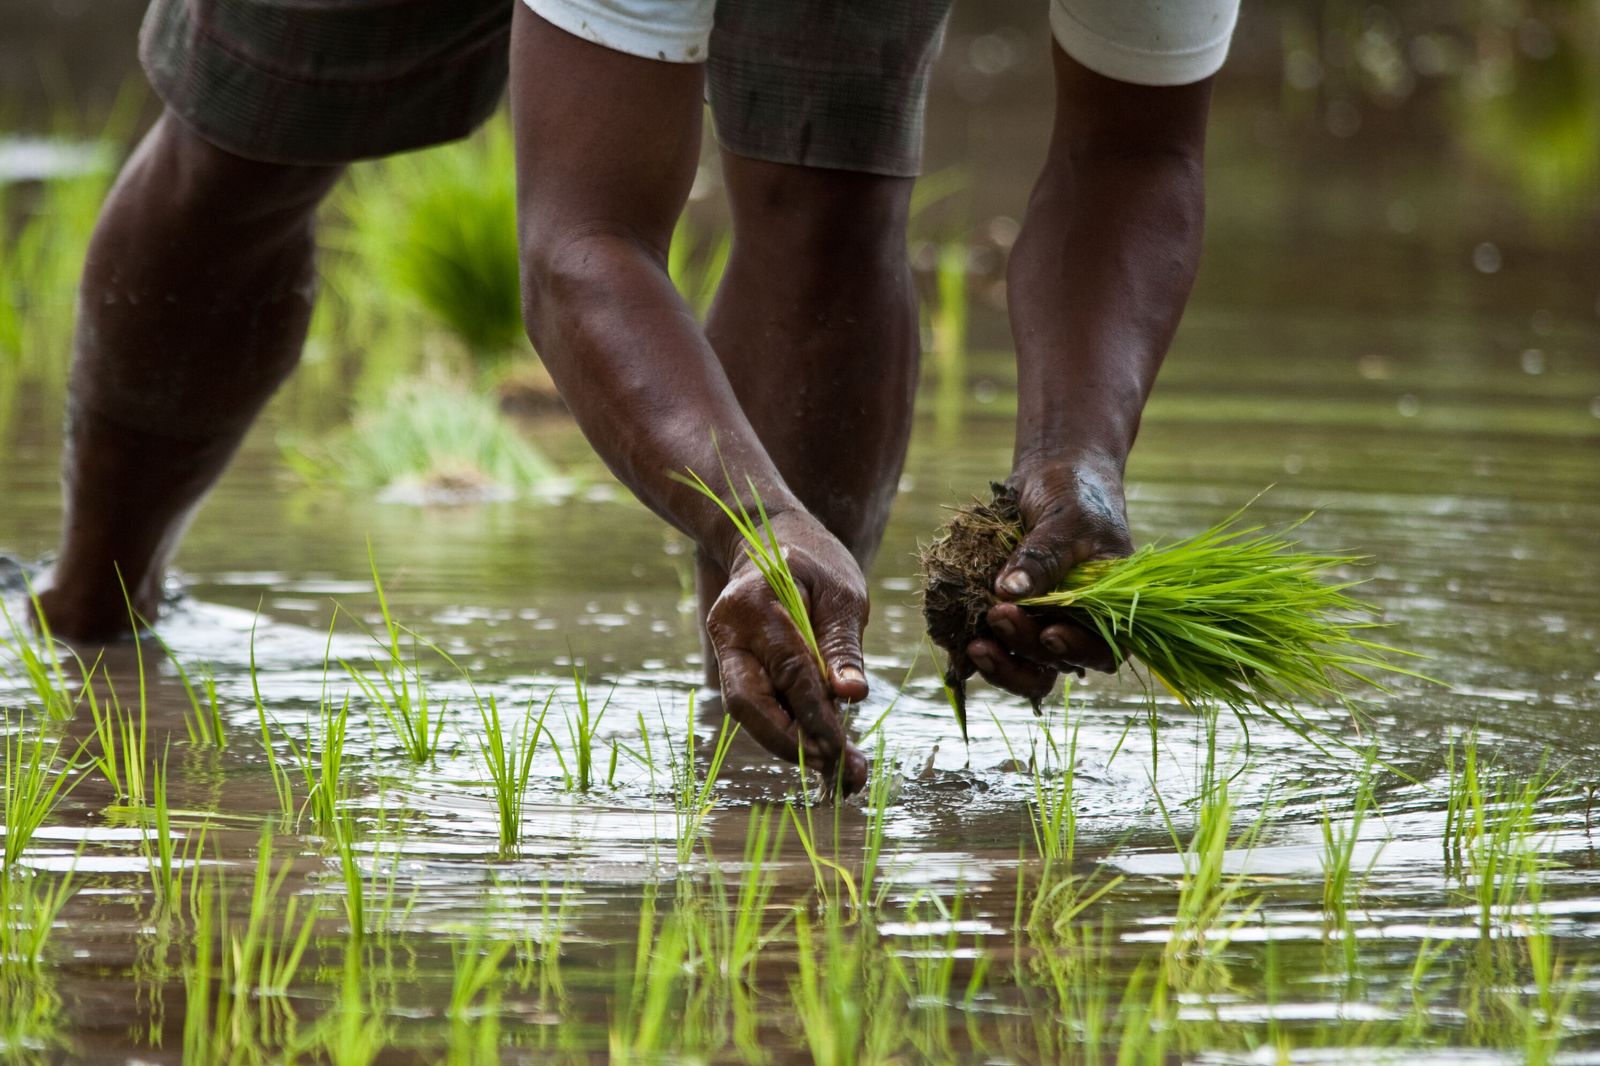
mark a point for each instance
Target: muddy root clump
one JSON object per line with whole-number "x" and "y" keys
{"x": 958, "y": 572}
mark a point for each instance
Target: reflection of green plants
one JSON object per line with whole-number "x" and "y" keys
{"x": 30, "y": 903}
{"x": 430, "y": 439}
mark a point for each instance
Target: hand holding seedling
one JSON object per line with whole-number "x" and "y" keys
{"x": 1072, "y": 511}
{"x": 786, "y": 631}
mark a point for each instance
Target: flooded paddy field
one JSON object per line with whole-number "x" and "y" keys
{"x": 260, "y": 850}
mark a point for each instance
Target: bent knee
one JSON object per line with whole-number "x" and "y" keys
{"x": 817, "y": 218}
{"x": 196, "y": 175}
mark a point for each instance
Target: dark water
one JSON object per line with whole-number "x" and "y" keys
{"x": 1397, "y": 327}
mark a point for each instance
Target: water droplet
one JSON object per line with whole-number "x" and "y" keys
{"x": 1408, "y": 405}
{"x": 1486, "y": 258}
{"x": 1532, "y": 361}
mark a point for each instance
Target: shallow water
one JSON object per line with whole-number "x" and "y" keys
{"x": 1347, "y": 347}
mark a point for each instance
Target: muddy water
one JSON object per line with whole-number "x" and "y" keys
{"x": 1388, "y": 332}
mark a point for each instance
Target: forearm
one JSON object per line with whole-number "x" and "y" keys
{"x": 645, "y": 386}
{"x": 1103, "y": 266}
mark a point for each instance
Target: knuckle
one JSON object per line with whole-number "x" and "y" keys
{"x": 787, "y": 672}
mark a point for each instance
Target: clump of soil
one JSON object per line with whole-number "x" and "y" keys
{"x": 958, "y": 572}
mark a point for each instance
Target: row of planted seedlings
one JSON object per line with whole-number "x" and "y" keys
{"x": 806, "y": 940}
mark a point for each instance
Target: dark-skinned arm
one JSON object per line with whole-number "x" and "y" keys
{"x": 1096, "y": 285}
{"x": 606, "y": 153}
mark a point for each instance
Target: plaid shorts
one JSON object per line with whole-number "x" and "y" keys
{"x": 825, "y": 83}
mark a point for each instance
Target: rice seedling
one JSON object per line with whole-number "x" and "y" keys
{"x": 203, "y": 723}
{"x": 880, "y": 791}
{"x": 691, "y": 793}
{"x": 122, "y": 737}
{"x": 834, "y": 882}
{"x": 1051, "y": 813}
{"x": 583, "y": 721}
{"x": 1233, "y": 617}
{"x": 1490, "y": 839}
{"x": 440, "y": 227}
{"x": 509, "y": 760}
{"x": 322, "y": 771}
{"x": 762, "y": 548}
{"x": 282, "y": 788}
{"x": 428, "y": 440}
{"x": 37, "y": 778}
{"x": 399, "y": 690}
{"x": 40, "y": 663}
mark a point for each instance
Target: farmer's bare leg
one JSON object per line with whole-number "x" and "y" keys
{"x": 196, "y": 295}
{"x": 816, "y": 326}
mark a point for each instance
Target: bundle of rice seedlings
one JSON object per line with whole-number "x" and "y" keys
{"x": 431, "y": 441}
{"x": 1235, "y": 617}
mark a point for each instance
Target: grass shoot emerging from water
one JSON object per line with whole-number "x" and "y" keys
{"x": 583, "y": 722}
{"x": 399, "y": 689}
{"x": 37, "y": 777}
{"x": 509, "y": 759}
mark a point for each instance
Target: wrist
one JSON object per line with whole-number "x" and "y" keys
{"x": 724, "y": 542}
{"x": 1102, "y": 462}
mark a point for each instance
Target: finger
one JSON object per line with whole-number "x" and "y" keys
{"x": 801, "y": 691}
{"x": 1079, "y": 646}
{"x": 1006, "y": 671}
{"x": 748, "y": 696}
{"x": 839, "y": 638}
{"x": 798, "y": 684}
{"x": 1059, "y": 645}
{"x": 851, "y": 773}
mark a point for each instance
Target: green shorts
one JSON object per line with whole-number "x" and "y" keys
{"x": 840, "y": 84}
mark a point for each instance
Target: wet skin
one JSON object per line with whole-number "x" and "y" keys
{"x": 198, "y": 291}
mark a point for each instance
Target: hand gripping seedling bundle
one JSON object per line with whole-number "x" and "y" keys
{"x": 1235, "y": 617}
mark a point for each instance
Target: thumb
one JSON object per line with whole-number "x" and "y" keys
{"x": 839, "y": 639}
{"x": 1037, "y": 565}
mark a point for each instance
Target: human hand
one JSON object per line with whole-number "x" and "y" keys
{"x": 770, "y": 680}
{"x": 1072, "y": 511}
